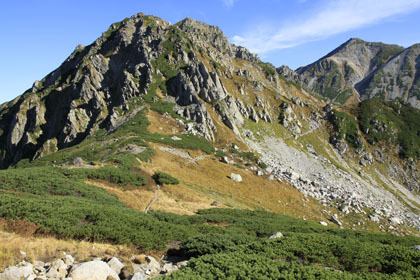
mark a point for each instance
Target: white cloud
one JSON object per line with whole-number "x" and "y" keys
{"x": 229, "y": 3}
{"x": 332, "y": 17}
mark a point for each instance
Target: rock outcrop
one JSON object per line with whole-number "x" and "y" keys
{"x": 98, "y": 269}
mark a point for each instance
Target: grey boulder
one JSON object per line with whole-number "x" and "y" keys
{"x": 94, "y": 270}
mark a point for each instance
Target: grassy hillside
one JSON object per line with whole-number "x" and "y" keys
{"x": 223, "y": 243}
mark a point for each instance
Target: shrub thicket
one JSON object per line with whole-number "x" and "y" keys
{"x": 391, "y": 121}
{"x": 345, "y": 127}
{"x": 163, "y": 178}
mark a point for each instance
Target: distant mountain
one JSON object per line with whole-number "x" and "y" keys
{"x": 398, "y": 78}
{"x": 335, "y": 75}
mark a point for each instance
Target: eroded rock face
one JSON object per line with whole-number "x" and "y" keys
{"x": 190, "y": 107}
{"x": 197, "y": 86}
{"x": 80, "y": 96}
{"x": 99, "y": 86}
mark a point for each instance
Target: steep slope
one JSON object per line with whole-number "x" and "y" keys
{"x": 104, "y": 84}
{"x": 397, "y": 79}
{"x": 334, "y": 75}
{"x": 90, "y": 90}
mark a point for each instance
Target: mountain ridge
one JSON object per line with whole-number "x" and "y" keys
{"x": 219, "y": 96}
{"x": 349, "y": 70}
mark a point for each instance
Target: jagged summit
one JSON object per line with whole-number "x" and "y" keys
{"x": 211, "y": 34}
{"x": 97, "y": 85}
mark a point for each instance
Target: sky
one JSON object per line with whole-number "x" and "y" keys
{"x": 37, "y": 36}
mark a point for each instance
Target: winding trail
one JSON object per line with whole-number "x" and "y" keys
{"x": 156, "y": 198}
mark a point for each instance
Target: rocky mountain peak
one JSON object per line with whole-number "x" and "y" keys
{"x": 397, "y": 79}
{"x": 202, "y": 33}
{"x": 191, "y": 25}
{"x": 98, "y": 86}
{"x": 335, "y": 75}
{"x": 208, "y": 34}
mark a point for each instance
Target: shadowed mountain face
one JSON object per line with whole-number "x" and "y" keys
{"x": 335, "y": 75}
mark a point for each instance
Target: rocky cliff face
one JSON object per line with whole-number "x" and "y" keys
{"x": 93, "y": 88}
{"x": 99, "y": 85}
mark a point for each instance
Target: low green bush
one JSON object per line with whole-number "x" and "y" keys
{"x": 111, "y": 174}
{"x": 163, "y": 178}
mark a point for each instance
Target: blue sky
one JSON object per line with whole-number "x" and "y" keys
{"x": 37, "y": 36}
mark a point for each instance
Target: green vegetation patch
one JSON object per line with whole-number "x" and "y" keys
{"x": 241, "y": 250}
{"x": 345, "y": 127}
{"x": 268, "y": 69}
{"x": 111, "y": 174}
{"x": 138, "y": 127}
{"x": 290, "y": 82}
{"x": 386, "y": 53}
{"x": 163, "y": 178}
{"x": 74, "y": 217}
{"x": 173, "y": 38}
{"x": 391, "y": 121}
{"x": 221, "y": 243}
{"x": 215, "y": 64}
{"x": 45, "y": 181}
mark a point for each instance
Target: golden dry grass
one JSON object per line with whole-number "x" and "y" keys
{"x": 47, "y": 248}
{"x": 209, "y": 177}
{"x": 178, "y": 199}
{"x": 137, "y": 199}
{"x": 163, "y": 124}
{"x": 207, "y": 180}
